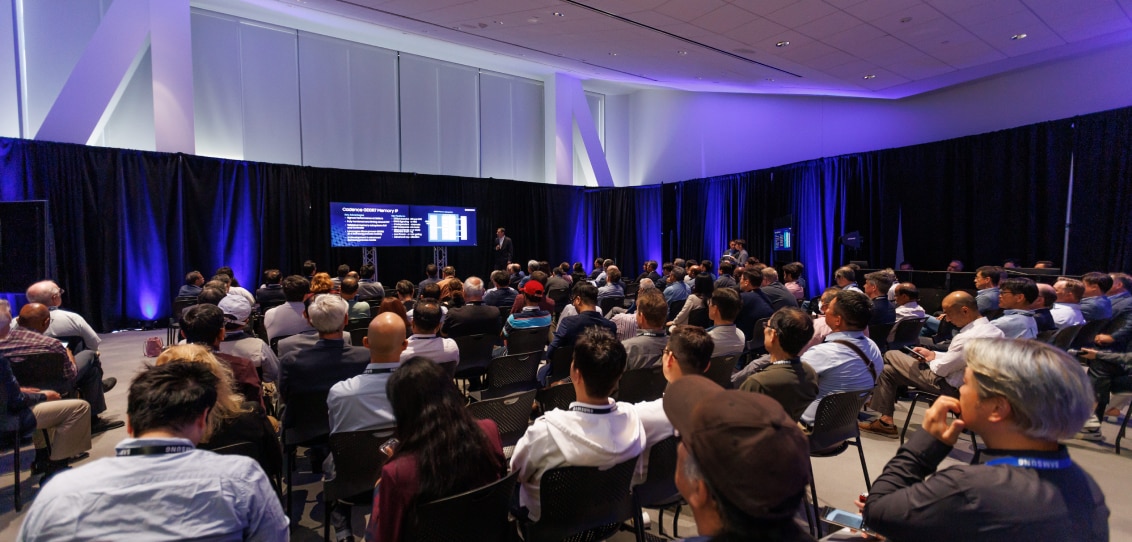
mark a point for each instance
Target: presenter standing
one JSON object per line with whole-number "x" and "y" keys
{"x": 503, "y": 249}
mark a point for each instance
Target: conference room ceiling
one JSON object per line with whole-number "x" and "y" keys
{"x": 870, "y": 48}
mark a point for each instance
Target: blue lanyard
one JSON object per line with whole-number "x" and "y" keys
{"x": 1033, "y": 462}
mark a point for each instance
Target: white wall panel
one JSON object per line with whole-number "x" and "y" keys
{"x": 131, "y": 124}
{"x": 511, "y": 127}
{"x": 348, "y": 93}
{"x": 439, "y": 117}
{"x": 9, "y": 89}
{"x": 55, "y": 34}
{"x": 270, "y": 73}
{"x": 217, "y": 89}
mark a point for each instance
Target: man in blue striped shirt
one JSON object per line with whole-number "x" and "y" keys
{"x": 531, "y": 315}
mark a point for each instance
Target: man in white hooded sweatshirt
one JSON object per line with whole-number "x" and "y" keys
{"x": 594, "y": 432}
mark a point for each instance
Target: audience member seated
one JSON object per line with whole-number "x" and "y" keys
{"x": 531, "y": 316}
{"x": 1043, "y": 306}
{"x": 425, "y": 342}
{"x": 594, "y": 432}
{"x": 309, "y": 269}
{"x": 431, "y": 272}
{"x": 701, "y": 293}
{"x": 877, "y": 284}
{"x": 559, "y": 278}
{"x": 405, "y": 294}
{"x": 502, "y": 295}
{"x": 1015, "y": 296}
{"x": 234, "y": 285}
{"x": 63, "y": 323}
{"x": 287, "y": 319}
{"x": 1029, "y": 489}
{"x": 369, "y": 288}
{"x": 474, "y": 318}
{"x": 675, "y": 289}
{"x": 430, "y": 291}
{"x": 846, "y": 278}
{"x": 1109, "y": 372}
{"x": 645, "y": 349}
{"x": 167, "y": 488}
{"x": 545, "y": 303}
{"x": 584, "y": 301}
{"x": 955, "y": 266}
{"x": 358, "y": 310}
{"x": 213, "y": 293}
{"x": 203, "y": 324}
{"x": 791, "y": 272}
{"x": 238, "y": 343}
{"x": 940, "y": 373}
{"x": 360, "y": 403}
{"x": 624, "y": 319}
{"x": 343, "y": 272}
{"x": 723, "y": 310}
{"x": 1067, "y": 311}
{"x": 726, "y": 280}
{"x": 847, "y": 360}
{"x": 986, "y": 282}
{"x": 649, "y": 271}
{"x": 907, "y": 302}
{"x": 787, "y": 379}
{"x": 442, "y": 451}
{"x": 67, "y": 420}
{"x": 234, "y": 419}
{"x": 612, "y": 287}
{"x": 271, "y": 293}
{"x": 83, "y": 373}
{"x": 1094, "y": 304}
{"x": 192, "y": 285}
{"x": 732, "y": 441}
{"x": 780, "y": 297}
{"x": 321, "y": 284}
{"x": 330, "y": 360}
{"x": 755, "y": 306}
{"x": 1121, "y": 301}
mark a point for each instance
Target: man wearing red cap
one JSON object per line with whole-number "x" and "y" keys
{"x": 742, "y": 464}
{"x": 531, "y": 315}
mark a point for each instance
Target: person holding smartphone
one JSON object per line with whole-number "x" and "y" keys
{"x": 1029, "y": 489}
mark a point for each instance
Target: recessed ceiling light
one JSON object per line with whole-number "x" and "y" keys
{"x": 682, "y": 53}
{"x": 905, "y": 19}
{"x": 782, "y": 44}
{"x": 559, "y": 14}
{"x": 532, "y": 20}
{"x": 870, "y": 76}
{"x": 1018, "y": 37}
{"x": 771, "y": 79}
{"x": 498, "y": 22}
{"x": 700, "y": 78}
{"x": 612, "y": 54}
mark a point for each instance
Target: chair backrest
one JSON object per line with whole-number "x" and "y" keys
{"x": 641, "y": 385}
{"x": 274, "y": 343}
{"x": 879, "y": 334}
{"x": 9, "y": 423}
{"x": 606, "y": 304}
{"x": 560, "y": 296}
{"x": 1047, "y": 335}
{"x": 632, "y": 289}
{"x": 1064, "y": 337}
{"x": 305, "y": 417}
{"x": 699, "y": 317}
{"x": 182, "y": 303}
{"x": 559, "y": 396}
{"x": 1088, "y": 332}
{"x": 270, "y": 304}
{"x": 357, "y": 335}
{"x": 583, "y": 499}
{"x": 674, "y": 308}
{"x": 472, "y": 516}
{"x": 512, "y": 373}
{"x": 357, "y": 323}
{"x": 528, "y": 339}
{"x": 357, "y": 462}
{"x": 44, "y": 371}
{"x": 511, "y": 414}
{"x": 560, "y": 362}
{"x": 475, "y": 351}
{"x": 720, "y": 369}
{"x": 906, "y": 332}
{"x": 836, "y": 418}
{"x": 659, "y": 486}
{"x": 450, "y": 367}
{"x": 74, "y": 343}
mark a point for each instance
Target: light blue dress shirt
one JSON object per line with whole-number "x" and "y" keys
{"x": 360, "y": 403}
{"x": 839, "y": 368}
{"x": 1017, "y": 324}
{"x": 676, "y": 291}
{"x": 193, "y": 494}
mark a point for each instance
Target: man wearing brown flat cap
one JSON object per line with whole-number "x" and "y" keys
{"x": 742, "y": 464}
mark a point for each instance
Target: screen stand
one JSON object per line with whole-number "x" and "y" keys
{"x": 369, "y": 256}
{"x": 440, "y": 257}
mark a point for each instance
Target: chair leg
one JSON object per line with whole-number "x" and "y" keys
{"x": 16, "y": 470}
{"x": 289, "y": 468}
{"x": 675, "y": 519}
{"x": 1123, "y": 426}
{"x": 864, "y": 468}
{"x": 816, "y": 530}
{"x": 904, "y": 431}
{"x": 325, "y": 517}
{"x": 977, "y": 452}
{"x": 638, "y": 519}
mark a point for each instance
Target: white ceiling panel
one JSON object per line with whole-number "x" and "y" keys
{"x": 833, "y": 43}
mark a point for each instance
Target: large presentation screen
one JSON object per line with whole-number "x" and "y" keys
{"x": 383, "y": 225}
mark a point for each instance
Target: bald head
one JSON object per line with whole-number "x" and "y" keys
{"x": 386, "y": 338}
{"x": 35, "y": 316}
{"x": 961, "y": 308}
{"x": 45, "y": 292}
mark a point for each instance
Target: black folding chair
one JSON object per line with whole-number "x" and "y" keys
{"x": 583, "y": 503}
{"x": 879, "y": 334}
{"x": 674, "y": 308}
{"x": 556, "y": 396}
{"x": 532, "y": 339}
{"x": 720, "y": 369}
{"x": 699, "y": 317}
{"x": 475, "y": 355}
{"x": 639, "y": 385}
{"x": 560, "y": 362}
{"x": 511, "y": 414}
{"x": 44, "y": 371}
{"x": 928, "y": 397}
{"x": 357, "y": 467}
{"x": 835, "y": 428}
{"x": 473, "y": 516}
{"x": 606, "y": 304}
{"x": 305, "y": 422}
{"x": 906, "y": 333}
{"x": 510, "y": 374}
{"x": 659, "y": 488}
{"x": 1088, "y": 333}
{"x": 1065, "y": 336}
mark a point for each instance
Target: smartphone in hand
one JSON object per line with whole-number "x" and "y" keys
{"x": 916, "y": 355}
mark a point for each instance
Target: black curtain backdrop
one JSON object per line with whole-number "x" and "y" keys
{"x": 127, "y": 225}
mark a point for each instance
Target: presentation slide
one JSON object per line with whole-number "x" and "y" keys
{"x": 384, "y": 225}
{"x": 782, "y": 239}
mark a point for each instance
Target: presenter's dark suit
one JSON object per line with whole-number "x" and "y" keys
{"x": 503, "y": 252}
{"x": 475, "y": 318}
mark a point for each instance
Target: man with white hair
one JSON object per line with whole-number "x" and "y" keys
{"x": 330, "y": 360}
{"x": 63, "y": 323}
{"x": 474, "y": 318}
{"x": 1029, "y": 488}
